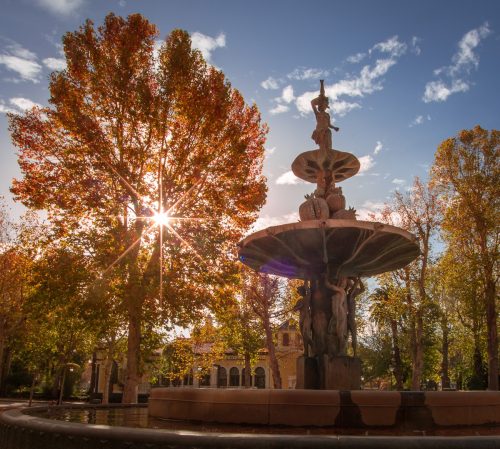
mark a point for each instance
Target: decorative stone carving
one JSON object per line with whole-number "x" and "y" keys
{"x": 314, "y": 208}
{"x": 322, "y": 134}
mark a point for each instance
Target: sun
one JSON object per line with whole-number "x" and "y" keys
{"x": 161, "y": 218}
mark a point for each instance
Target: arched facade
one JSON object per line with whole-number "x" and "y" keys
{"x": 221, "y": 377}
{"x": 234, "y": 377}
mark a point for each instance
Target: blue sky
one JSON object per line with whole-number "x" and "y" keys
{"x": 401, "y": 76}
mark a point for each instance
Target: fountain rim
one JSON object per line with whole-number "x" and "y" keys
{"x": 330, "y": 223}
{"x": 181, "y": 438}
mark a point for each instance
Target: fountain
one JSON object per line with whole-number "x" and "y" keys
{"x": 330, "y": 250}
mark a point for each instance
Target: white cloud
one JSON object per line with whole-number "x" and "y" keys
{"x": 23, "y": 103}
{"x": 61, "y": 7}
{"x": 418, "y": 120}
{"x": 366, "y": 163}
{"x": 378, "y": 147}
{"x": 288, "y": 178}
{"x": 439, "y": 91}
{"x": 463, "y": 61}
{"x": 279, "y": 109}
{"x": 18, "y": 50}
{"x": 4, "y": 109}
{"x": 302, "y": 73}
{"x": 367, "y": 82}
{"x": 354, "y": 59}
{"x": 266, "y": 221}
{"x": 28, "y": 70}
{"x": 287, "y": 94}
{"x": 341, "y": 108}
{"x": 207, "y": 44}
{"x": 55, "y": 63}
{"x": 414, "y": 45}
{"x": 465, "y": 58}
{"x": 287, "y": 97}
{"x": 22, "y": 61}
{"x": 398, "y": 181}
{"x": 392, "y": 46}
{"x": 369, "y": 210}
{"x": 270, "y": 83}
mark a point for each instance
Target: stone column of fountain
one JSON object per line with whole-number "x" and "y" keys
{"x": 330, "y": 250}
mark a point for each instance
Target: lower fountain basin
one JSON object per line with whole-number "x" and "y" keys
{"x": 48, "y": 428}
{"x": 408, "y": 410}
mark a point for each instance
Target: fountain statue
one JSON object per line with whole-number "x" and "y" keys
{"x": 330, "y": 250}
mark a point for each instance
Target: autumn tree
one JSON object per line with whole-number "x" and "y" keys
{"x": 240, "y": 327}
{"x": 266, "y": 295}
{"x": 417, "y": 211}
{"x": 466, "y": 170}
{"x": 132, "y": 145}
{"x": 387, "y": 310}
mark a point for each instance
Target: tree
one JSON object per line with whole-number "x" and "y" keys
{"x": 387, "y": 308}
{"x": 265, "y": 295}
{"x": 131, "y": 137}
{"x": 417, "y": 212}
{"x": 466, "y": 171}
{"x": 18, "y": 245}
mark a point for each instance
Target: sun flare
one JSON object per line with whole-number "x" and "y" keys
{"x": 161, "y": 218}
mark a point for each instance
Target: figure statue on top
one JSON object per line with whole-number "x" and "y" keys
{"x": 322, "y": 134}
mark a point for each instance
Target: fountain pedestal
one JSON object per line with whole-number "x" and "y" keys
{"x": 330, "y": 373}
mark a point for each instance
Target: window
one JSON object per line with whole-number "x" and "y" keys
{"x": 260, "y": 377}
{"x": 286, "y": 339}
{"x": 243, "y": 378}
{"x": 234, "y": 377}
{"x": 221, "y": 377}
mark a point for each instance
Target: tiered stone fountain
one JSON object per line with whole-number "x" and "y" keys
{"x": 330, "y": 250}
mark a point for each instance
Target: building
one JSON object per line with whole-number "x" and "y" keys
{"x": 227, "y": 372}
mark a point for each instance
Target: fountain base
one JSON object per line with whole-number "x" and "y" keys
{"x": 331, "y": 373}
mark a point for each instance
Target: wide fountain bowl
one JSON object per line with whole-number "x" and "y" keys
{"x": 347, "y": 248}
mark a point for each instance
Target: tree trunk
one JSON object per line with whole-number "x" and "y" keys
{"x": 2, "y": 363}
{"x": 32, "y": 390}
{"x": 418, "y": 362}
{"x": 491, "y": 323}
{"x": 445, "y": 377}
{"x": 247, "y": 381}
{"x": 273, "y": 361}
{"x": 398, "y": 365}
{"x": 130, "y": 390}
{"x": 106, "y": 378}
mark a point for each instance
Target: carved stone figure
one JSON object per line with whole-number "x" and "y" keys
{"x": 355, "y": 288}
{"x": 337, "y": 327}
{"x": 303, "y": 306}
{"x": 322, "y": 134}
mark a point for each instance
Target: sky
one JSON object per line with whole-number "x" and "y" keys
{"x": 401, "y": 76}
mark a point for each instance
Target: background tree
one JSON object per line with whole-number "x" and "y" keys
{"x": 387, "y": 310}
{"x": 466, "y": 170}
{"x": 266, "y": 296}
{"x": 418, "y": 211}
{"x": 130, "y": 136}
